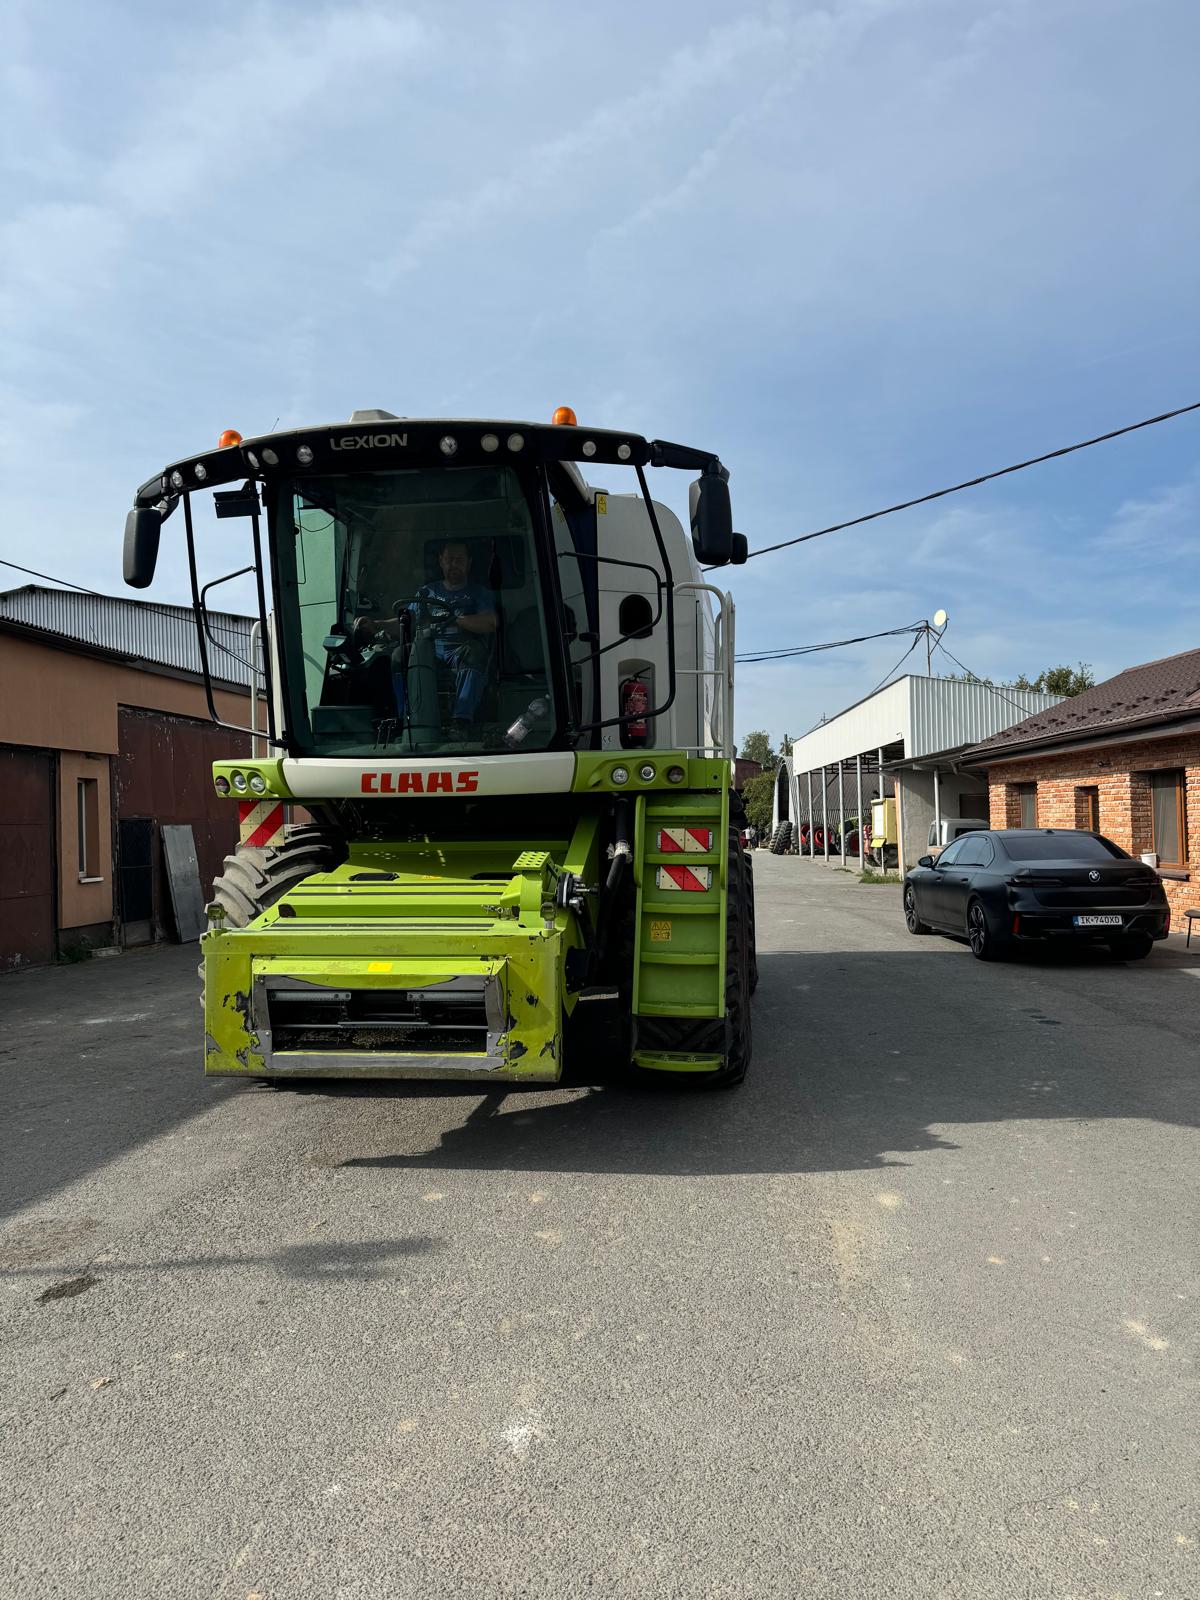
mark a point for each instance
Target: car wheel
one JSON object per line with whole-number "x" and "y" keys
{"x": 1135, "y": 947}
{"x": 911, "y": 918}
{"x": 984, "y": 944}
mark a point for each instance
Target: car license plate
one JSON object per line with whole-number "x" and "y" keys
{"x": 1098, "y": 922}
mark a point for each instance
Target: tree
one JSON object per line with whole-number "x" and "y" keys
{"x": 756, "y": 746}
{"x": 758, "y": 798}
{"x": 1060, "y": 680}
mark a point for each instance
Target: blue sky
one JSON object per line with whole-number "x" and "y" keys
{"x": 861, "y": 249}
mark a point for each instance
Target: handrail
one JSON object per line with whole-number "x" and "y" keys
{"x": 721, "y": 670}
{"x": 255, "y": 673}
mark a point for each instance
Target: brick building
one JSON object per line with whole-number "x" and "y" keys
{"x": 1122, "y": 759}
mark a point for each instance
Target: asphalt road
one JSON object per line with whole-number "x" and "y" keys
{"x": 911, "y": 1314}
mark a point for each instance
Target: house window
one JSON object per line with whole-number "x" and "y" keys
{"x": 1169, "y": 817}
{"x": 87, "y": 799}
{"x": 1027, "y": 800}
{"x": 1087, "y": 809}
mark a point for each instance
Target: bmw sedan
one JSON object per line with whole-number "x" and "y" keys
{"x": 1015, "y": 886}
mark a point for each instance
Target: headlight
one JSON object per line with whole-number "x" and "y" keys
{"x": 647, "y": 773}
{"x": 238, "y": 780}
{"x": 258, "y": 783}
{"x": 675, "y": 774}
{"x": 221, "y": 784}
{"x": 619, "y": 774}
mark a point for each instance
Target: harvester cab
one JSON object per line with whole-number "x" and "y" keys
{"x": 503, "y": 697}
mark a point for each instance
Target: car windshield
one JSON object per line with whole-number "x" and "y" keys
{"x": 1060, "y": 847}
{"x": 411, "y": 613}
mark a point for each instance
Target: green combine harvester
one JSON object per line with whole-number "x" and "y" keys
{"x": 504, "y": 698}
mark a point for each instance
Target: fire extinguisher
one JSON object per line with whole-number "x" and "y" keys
{"x": 635, "y": 704}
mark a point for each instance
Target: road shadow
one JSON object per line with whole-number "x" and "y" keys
{"x": 97, "y": 1059}
{"x": 318, "y": 1261}
{"x": 863, "y": 1060}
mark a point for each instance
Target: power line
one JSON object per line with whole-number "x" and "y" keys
{"x": 899, "y": 664}
{"x": 972, "y": 483}
{"x": 786, "y": 652}
{"x": 984, "y": 684}
{"x": 161, "y": 611}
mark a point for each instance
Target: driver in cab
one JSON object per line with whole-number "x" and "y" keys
{"x": 456, "y": 617}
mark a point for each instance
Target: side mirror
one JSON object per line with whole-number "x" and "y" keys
{"x": 740, "y": 553}
{"x": 143, "y": 526}
{"x": 711, "y": 518}
{"x": 926, "y": 861}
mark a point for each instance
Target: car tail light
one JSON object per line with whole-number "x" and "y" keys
{"x": 1016, "y": 927}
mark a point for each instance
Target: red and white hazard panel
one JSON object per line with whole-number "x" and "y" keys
{"x": 686, "y": 878}
{"x": 260, "y": 821}
{"x": 685, "y": 840}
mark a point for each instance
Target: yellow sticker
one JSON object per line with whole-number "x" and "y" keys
{"x": 380, "y": 966}
{"x": 660, "y": 932}
{"x": 601, "y": 505}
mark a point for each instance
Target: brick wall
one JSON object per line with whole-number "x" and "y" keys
{"x": 1118, "y": 773}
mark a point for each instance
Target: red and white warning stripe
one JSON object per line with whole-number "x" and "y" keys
{"x": 684, "y": 839}
{"x": 693, "y": 878}
{"x": 260, "y": 821}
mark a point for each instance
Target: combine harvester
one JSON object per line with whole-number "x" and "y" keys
{"x": 505, "y": 697}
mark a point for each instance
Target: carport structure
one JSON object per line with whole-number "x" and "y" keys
{"x": 902, "y": 740}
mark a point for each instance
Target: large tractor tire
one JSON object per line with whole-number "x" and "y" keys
{"x": 255, "y": 878}
{"x": 781, "y": 839}
{"x": 751, "y": 941}
{"x": 739, "y": 965}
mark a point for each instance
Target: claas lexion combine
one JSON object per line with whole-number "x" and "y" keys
{"x": 504, "y": 697}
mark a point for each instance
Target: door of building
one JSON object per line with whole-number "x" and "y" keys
{"x": 135, "y": 878}
{"x": 27, "y": 868}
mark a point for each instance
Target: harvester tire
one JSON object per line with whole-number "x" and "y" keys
{"x": 751, "y": 941}
{"x": 781, "y": 839}
{"x": 739, "y": 964}
{"x": 255, "y": 878}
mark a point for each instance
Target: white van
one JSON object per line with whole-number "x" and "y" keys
{"x": 950, "y": 828}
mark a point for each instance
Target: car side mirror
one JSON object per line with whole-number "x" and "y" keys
{"x": 927, "y": 861}
{"x": 711, "y": 517}
{"x": 143, "y": 526}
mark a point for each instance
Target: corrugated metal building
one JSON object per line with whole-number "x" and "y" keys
{"x": 901, "y": 742}
{"x": 105, "y": 737}
{"x": 135, "y": 629}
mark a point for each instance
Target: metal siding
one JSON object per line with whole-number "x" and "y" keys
{"x": 928, "y": 714}
{"x": 165, "y": 635}
{"x": 164, "y": 773}
{"x": 945, "y": 713}
{"x": 881, "y": 719}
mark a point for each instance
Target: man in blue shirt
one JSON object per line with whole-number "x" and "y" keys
{"x": 456, "y": 617}
{"x": 452, "y": 620}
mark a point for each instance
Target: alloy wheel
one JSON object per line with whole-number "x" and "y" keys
{"x": 977, "y": 930}
{"x": 910, "y": 909}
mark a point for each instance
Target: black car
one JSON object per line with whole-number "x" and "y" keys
{"x": 1014, "y": 886}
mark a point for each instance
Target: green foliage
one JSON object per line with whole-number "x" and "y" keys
{"x": 1060, "y": 680}
{"x": 870, "y": 876}
{"x": 758, "y": 797}
{"x": 756, "y": 746}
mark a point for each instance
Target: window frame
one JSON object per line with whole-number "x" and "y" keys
{"x": 1154, "y": 779}
{"x": 1027, "y": 791}
{"x": 87, "y": 829}
{"x": 1090, "y": 793}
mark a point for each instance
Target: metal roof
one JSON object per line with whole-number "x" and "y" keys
{"x": 161, "y": 634}
{"x": 1155, "y": 692}
{"x": 925, "y": 715}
